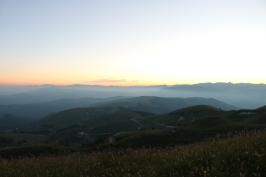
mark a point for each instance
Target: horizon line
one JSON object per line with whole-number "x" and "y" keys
{"x": 94, "y": 85}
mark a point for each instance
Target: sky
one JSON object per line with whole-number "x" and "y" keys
{"x": 137, "y": 42}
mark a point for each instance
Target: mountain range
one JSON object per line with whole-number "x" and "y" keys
{"x": 242, "y": 95}
{"x": 155, "y": 105}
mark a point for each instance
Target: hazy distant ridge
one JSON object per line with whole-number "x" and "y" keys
{"x": 243, "y": 95}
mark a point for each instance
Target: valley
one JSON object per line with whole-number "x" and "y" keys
{"x": 135, "y": 122}
{"x": 72, "y": 128}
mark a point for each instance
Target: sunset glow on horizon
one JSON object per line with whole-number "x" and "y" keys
{"x": 132, "y": 43}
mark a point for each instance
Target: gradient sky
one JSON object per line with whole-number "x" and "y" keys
{"x": 137, "y": 42}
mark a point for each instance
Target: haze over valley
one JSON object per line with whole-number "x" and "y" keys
{"x": 242, "y": 95}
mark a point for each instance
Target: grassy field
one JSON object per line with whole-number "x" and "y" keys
{"x": 40, "y": 150}
{"x": 240, "y": 154}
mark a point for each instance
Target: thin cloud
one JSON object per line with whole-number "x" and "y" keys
{"x": 108, "y": 81}
{"x": 124, "y": 82}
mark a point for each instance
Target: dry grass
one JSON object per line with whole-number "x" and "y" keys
{"x": 241, "y": 154}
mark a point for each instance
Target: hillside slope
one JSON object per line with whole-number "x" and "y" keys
{"x": 185, "y": 115}
{"x": 39, "y": 110}
{"x": 8, "y": 121}
{"x": 159, "y": 105}
{"x": 64, "y": 119}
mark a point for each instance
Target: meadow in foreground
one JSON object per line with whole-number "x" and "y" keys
{"x": 240, "y": 154}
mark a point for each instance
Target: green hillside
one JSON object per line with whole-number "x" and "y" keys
{"x": 185, "y": 115}
{"x": 63, "y": 127}
{"x": 244, "y": 115}
{"x": 257, "y": 119}
{"x": 64, "y": 119}
{"x": 91, "y": 127}
{"x": 191, "y": 141}
{"x": 263, "y": 108}
{"x": 19, "y": 139}
{"x": 150, "y": 138}
{"x": 99, "y": 126}
{"x": 8, "y": 121}
{"x": 198, "y": 130}
{"x": 115, "y": 122}
{"x": 208, "y": 122}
